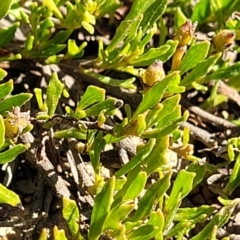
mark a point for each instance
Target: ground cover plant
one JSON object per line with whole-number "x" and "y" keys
{"x": 119, "y": 119}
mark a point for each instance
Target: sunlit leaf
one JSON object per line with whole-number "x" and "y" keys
{"x": 9, "y": 197}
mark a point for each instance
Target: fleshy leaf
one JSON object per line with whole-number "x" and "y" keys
{"x": 127, "y": 83}
{"x": 116, "y": 215}
{"x": 178, "y": 192}
{"x": 234, "y": 179}
{"x": 6, "y": 89}
{"x": 218, "y": 220}
{"x": 92, "y": 95}
{"x": 72, "y": 217}
{"x": 143, "y": 232}
{"x": 9, "y": 197}
{"x": 137, "y": 159}
{"x": 102, "y": 205}
{"x": 154, "y": 95}
{"x": 2, "y": 132}
{"x": 225, "y": 73}
{"x": 194, "y": 55}
{"x": 59, "y": 234}
{"x": 10, "y": 154}
{"x": 54, "y": 91}
{"x": 7, "y": 33}
{"x": 14, "y": 101}
{"x": 149, "y": 199}
{"x": 3, "y": 74}
{"x": 150, "y": 56}
{"x": 200, "y": 70}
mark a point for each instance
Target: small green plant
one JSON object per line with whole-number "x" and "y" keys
{"x": 143, "y": 199}
{"x": 12, "y": 124}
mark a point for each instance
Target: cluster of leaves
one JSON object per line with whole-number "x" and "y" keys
{"x": 126, "y": 206}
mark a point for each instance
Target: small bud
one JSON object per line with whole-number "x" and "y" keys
{"x": 185, "y": 33}
{"x": 154, "y": 73}
{"x": 15, "y": 122}
{"x": 101, "y": 119}
{"x": 223, "y": 40}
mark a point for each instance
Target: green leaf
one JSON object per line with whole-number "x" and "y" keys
{"x": 157, "y": 157}
{"x": 6, "y": 89}
{"x": 5, "y": 6}
{"x": 127, "y": 83}
{"x": 154, "y": 95}
{"x": 59, "y": 234}
{"x": 44, "y": 31}
{"x": 14, "y": 101}
{"x": 9, "y": 197}
{"x": 199, "y": 169}
{"x": 194, "y": 55}
{"x": 54, "y": 91}
{"x": 168, "y": 106}
{"x": 161, "y": 132}
{"x": 130, "y": 24}
{"x": 102, "y": 205}
{"x": 201, "y": 11}
{"x": 216, "y": 7}
{"x": 166, "y": 125}
{"x": 72, "y": 47}
{"x": 179, "y": 18}
{"x": 200, "y": 70}
{"x": 184, "y": 189}
{"x": 7, "y": 33}
{"x": 60, "y": 36}
{"x": 130, "y": 226}
{"x": 10, "y": 154}
{"x": 108, "y": 106}
{"x": 234, "y": 179}
{"x": 127, "y": 28}
{"x": 174, "y": 87}
{"x": 149, "y": 199}
{"x": 70, "y": 133}
{"x": 92, "y": 95}
{"x": 2, "y": 132}
{"x": 178, "y": 192}
{"x": 47, "y": 51}
{"x": 50, "y": 4}
{"x": 143, "y": 232}
{"x": 169, "y": 112}
{"x": 225, "y": 73}
{"x": 173, "y": 45}
{"x": 107, "y": 7}
{"x": 72, "y": 217}
{"x": 157, "y": 219}
{"x": 131, "y": 189}
{"x": 3, "y": 74}
{"x": 43, "y": 235}
{"x": 135, "y": 188}
{"x": 192, "y": 213}
{"x": 95, "y": 151}
{"x": 136, "y": 160}
{"x": 153, "y": 13}
{"x": 218, "y": 220}
{"x": 150, "y": 56}
{"x": 182, "y": 228}
{"x": 116, "y": 215}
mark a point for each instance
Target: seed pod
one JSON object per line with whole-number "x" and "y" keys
{"x": 223, "y": 40}
{"x": 15, "y": 122}
{"x": 153, "y": 74}
{"x": 185, "y": 33}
